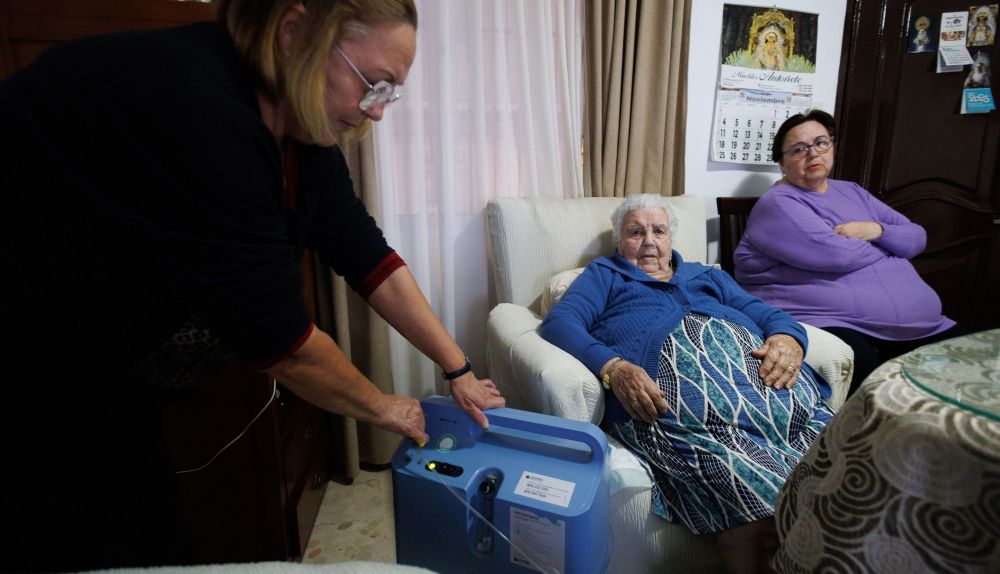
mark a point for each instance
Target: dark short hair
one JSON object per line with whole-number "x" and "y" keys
{"x": 824, "y": 119}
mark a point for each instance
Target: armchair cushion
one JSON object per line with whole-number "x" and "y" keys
{"x": 556, "y": 288}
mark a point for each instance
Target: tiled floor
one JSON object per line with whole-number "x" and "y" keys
{"x": 355, "y": 522}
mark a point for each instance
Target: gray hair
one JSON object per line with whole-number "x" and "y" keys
{"x": 641, "y": 201}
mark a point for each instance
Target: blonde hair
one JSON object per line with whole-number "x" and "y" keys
{"x": 299, "y": 77}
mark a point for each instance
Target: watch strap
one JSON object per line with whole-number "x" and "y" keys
{"x": 458, "y": 372}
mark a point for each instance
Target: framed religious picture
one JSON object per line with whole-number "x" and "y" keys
{"x": 767, "y": 72}
{"x": 982, "y": 25}
{"x": 923, "y": 34}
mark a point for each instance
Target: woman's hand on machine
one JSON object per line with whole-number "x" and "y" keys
{"x": 403, "y": 416}
{"x": 475, "y": 395}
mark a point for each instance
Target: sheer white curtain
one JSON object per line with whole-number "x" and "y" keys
{"x": 492, "y": 107}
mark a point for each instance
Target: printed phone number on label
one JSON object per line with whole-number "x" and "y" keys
{"x": 538, "y": 487}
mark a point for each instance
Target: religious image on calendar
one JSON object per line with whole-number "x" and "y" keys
{"x": 767, "y": 73}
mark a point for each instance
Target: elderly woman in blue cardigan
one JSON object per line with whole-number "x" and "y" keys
{"x": 704, "y": 382}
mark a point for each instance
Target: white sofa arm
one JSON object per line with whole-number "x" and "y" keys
{"x": 534, "y": 374}
{"x": 832, "y": 358}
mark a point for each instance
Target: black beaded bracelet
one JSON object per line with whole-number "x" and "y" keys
{"x": 458, "y": 373}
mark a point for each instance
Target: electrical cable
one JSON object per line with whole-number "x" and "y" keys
{"x": 274, "y": 394}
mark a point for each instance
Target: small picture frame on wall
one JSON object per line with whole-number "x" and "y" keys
{"x": 982, "y": 25}
{"x": 980, "y": 70}
{"x": 923, "y": 34}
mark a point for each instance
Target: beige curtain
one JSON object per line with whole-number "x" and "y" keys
{"x": 636, "y": 77}
{"x": 364, "y": 338}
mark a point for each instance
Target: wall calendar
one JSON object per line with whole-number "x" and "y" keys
{"x": 767, "y": 73}
{"x": 746, "y": 121}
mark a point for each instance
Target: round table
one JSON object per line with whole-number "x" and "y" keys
{"x": 906, "y": 477}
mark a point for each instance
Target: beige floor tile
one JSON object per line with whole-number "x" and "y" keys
{"x": 355, "y": 522}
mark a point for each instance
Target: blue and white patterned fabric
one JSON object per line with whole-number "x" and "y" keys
{"x": 727, "y": 444}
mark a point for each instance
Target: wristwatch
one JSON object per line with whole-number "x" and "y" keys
{"x": 459, "y": 372}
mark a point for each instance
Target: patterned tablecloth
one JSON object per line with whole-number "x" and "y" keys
{"x": 903, "y": 480}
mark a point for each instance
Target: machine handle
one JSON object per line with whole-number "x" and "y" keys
{"x": 590, "y": 435}
{"x": 568, "y": 429}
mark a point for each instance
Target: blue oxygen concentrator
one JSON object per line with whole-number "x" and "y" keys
{"x": 542, "y": 481}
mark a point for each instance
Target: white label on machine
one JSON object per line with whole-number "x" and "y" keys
{"x": 543, "y": 539}
{"x": 545, "y": 488}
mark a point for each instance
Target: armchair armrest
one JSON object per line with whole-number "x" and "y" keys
{"x": 534, "y": 374}
{"x": 832, "y": 358}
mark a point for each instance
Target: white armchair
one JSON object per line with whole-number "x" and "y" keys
{"x": 531, "y": 241}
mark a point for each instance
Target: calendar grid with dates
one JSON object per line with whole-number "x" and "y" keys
{"x": 745, "y": 126}
{"x": 743, "y": 133}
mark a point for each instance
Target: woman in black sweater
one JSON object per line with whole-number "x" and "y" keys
{"x": 161, "y": 187}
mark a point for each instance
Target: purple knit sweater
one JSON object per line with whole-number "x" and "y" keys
{"x": 791, "y": 258}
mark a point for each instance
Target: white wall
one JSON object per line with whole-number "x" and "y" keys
{"x": 711, "y": 179}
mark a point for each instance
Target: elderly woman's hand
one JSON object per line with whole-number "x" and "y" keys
{"x": 640, "y": 396}
{"x": 781, "y": 359}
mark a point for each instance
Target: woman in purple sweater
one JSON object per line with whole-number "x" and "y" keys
{"x": 832, "y": 255}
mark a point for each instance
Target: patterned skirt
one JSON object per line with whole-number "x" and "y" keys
{"x": 727, "y": 444}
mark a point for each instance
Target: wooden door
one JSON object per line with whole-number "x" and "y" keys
{"x": 902, "y": 138}
{"x": 28, "y": 27}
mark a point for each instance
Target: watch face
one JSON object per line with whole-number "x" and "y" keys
{"x": 606, "y": 377}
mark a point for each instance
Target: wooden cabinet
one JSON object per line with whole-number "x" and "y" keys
{"x": 259, "y": 499}
{"x": 902, "y": 138}
{"x": 28, "y": 27}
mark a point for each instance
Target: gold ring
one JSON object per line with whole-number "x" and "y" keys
{"x": 790, "y": 368}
